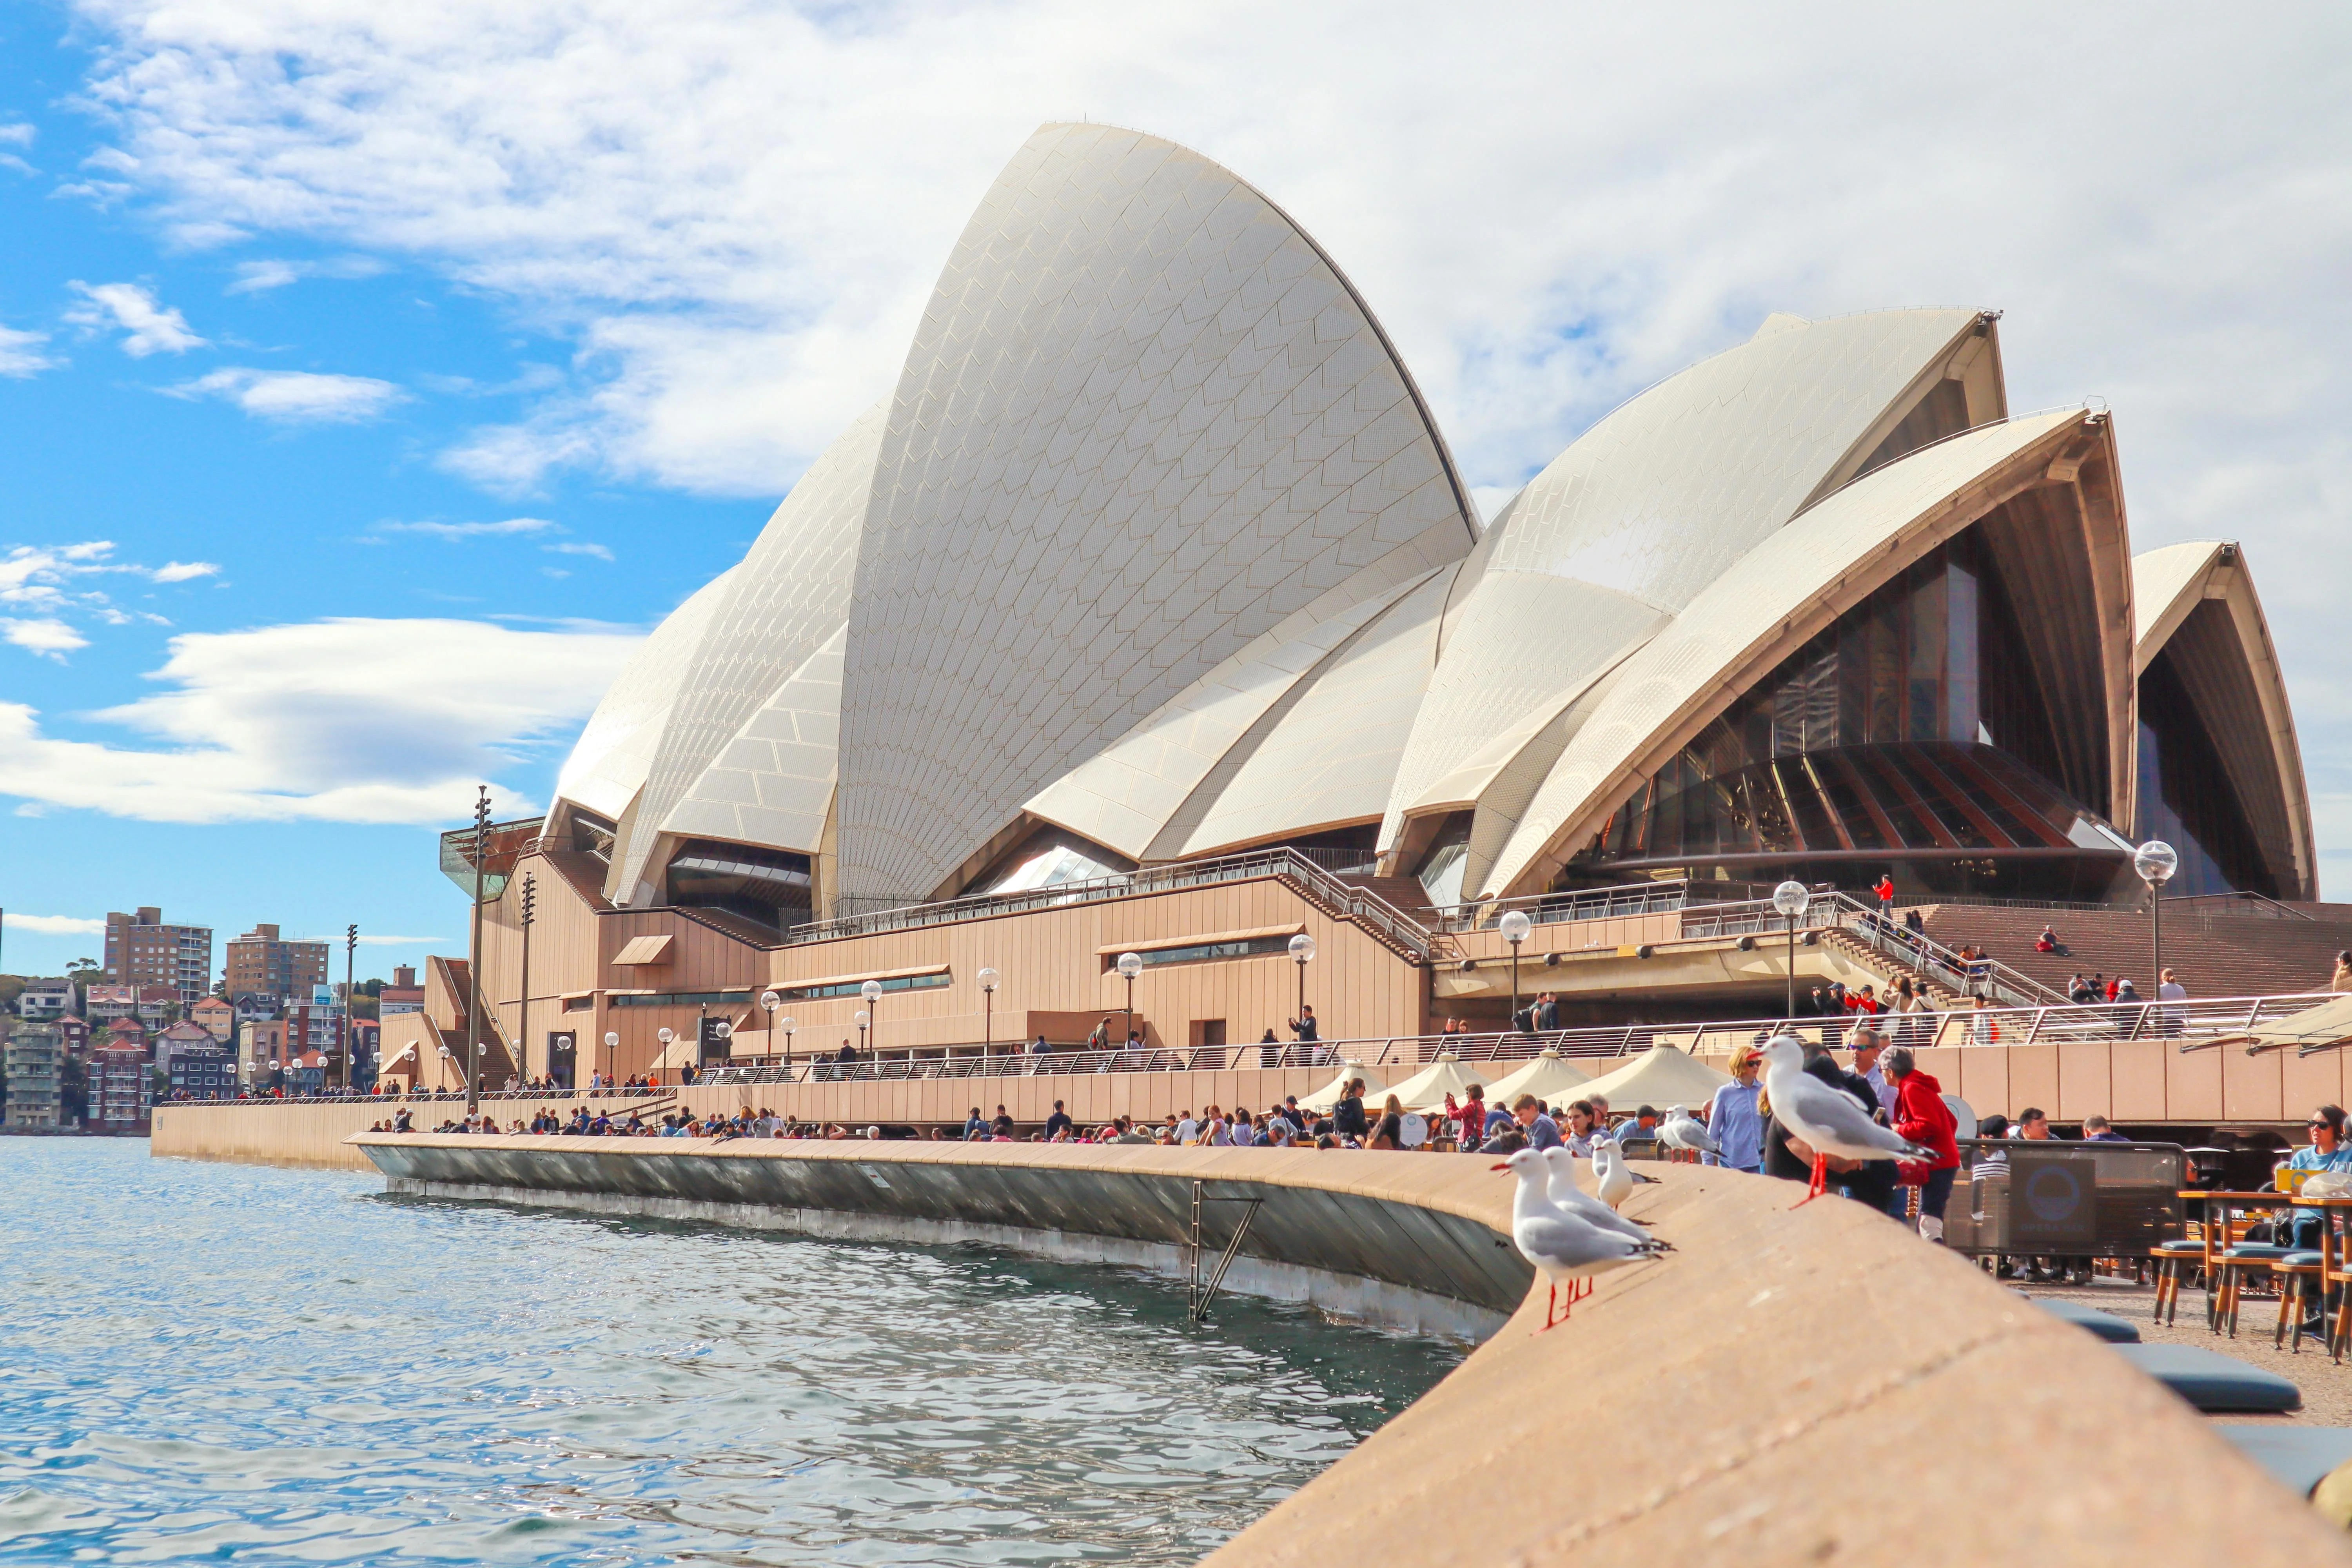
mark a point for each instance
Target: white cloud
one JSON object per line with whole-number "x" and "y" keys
{"x": 342, "y": 721}
{"x": 598, "y": 550}
{"x": 53, "y": 925}
{"x": 184, "y": 571}
{"x": 19, "y": 133}
{"x": 20, "y": 352}
{"x": 505, "y": 526}
{"x": 295, "y": 397}
{"x": 260, "y": 277}
{"x": 47, "y": 636}
{"x": 149, "y": 326}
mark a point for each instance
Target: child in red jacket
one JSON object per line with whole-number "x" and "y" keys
{"x": 1921, "y": 1116}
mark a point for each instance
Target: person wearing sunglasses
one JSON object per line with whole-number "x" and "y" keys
{"x": 2328, "y": 1151}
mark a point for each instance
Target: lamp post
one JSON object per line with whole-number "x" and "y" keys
{"x": 722, "y": 1031}
{"x": 473, "y": 1066}
{"x": 350, "y": 957}
{"x": 1131, "y": 964}
{"x": 665, "y": 1035}
{"x": 769, "y": 1002}
{"x": 1516, "y": 927}
{"x": 447, "y": 1055}
{"x": 862, "y": 1020}
{"x": 872, "y": 991}
{"x": 787, "y": 1022}
{"x": 2156, "y": 861}
{"x": 1791, "y": 899}
{"x": 522, "y": 1013}
{"x": 612, "y": 1044}
{"x": 988, "y": 979}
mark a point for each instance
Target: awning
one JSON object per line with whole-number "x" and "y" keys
{"x": 860, "y": 977}
{"x": 651, "y": 949}
{"x": 1156, "y": 943}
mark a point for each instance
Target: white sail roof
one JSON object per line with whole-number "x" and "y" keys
{"x": 608, "y": 762}
{"x": 1144, "y": 421}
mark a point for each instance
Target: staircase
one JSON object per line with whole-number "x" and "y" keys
{"x": 2233, "y": 952}
{"x": 1941, "y": 997}
{"x": 1353, "y": 897}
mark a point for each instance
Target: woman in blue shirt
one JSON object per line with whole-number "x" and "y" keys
{"x": 2326, "y": 1152}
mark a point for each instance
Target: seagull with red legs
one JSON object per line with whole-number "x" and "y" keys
{"x": 1828, "y": 1121}
{"x": 1568, "y": 1247}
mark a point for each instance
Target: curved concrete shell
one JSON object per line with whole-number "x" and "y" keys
{"x": 1155, "y": 553}
{"x": 1649, "y": 507}
{"x": 787, "y": 598}
{"x": 2196, "y": 613}
{"x": 1779, "y": 595}
{"x": 608, "y": 764}
{"x": 1145, "y": 421}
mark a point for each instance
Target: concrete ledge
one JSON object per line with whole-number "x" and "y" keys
{"x": 1809, "y": 1386}
{"x": 1343, "y": 1295}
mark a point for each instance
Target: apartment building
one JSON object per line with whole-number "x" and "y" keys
{"x": 45, "y": 1000}
{"x": 32, "y": 1056}
{"x": 141, "y": 950}
{"x": 261, "y": 962}
{"x": 216, "y": 1017}
{"x": 120, "y": 1093}
{"x": 403, "y": 995}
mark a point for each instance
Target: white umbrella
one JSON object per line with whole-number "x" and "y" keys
{"x": 1427, "y": 1089}
{"x": 1323, "y": 1099}
{"x": 1661, "y": 1076}
{"x": 1548, "y": 1078}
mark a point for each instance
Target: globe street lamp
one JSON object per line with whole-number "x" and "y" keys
{"x": 1302, "y": 953}
{"x": 1131, "y": 964}
{"x": 786, "y": 1022}
{"x": 988, "y": 979}
{"x": 612, "y": 1044}
{"x": 665, "y": 1035}
{"x": 862, "y": 1020}
{"x": 770, "y": 1002}
{"x": 872, "y": 991}
{"x": 1791, "y": 899}
{"x": 1516, "y": 927}
{"x": 2156, "y": 861}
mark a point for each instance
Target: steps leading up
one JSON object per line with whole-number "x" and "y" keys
{"x": 2214, "y": 953}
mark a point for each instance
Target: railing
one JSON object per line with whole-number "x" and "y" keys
{"x": 1842, "y": 912}
{"x": 2197, "y": 1023}
{"x": 1557, "y": 909}
{"x": 1342, "y": 899}
{"x": 2261, "y": 904}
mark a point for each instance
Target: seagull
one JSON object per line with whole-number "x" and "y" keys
{"x": 1565, "y": 1194}
{"x": 1616, "y": 1183}
{"x": 1828, "y": 1120}
{"x": 1685, "y": 1131}
{"x": 1564, "y": 1246}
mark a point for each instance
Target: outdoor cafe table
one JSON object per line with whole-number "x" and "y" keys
{"x": 2332, "y": 1212}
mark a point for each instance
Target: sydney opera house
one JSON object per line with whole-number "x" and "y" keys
{"x": 1150, "y": 614}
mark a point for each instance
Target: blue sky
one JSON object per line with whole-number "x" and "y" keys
{"x": 407, "y": 363}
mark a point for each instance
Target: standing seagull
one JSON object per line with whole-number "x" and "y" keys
{"x": 1616, "y": 1183}
{"x": 1564, "y": 1192}
{"x": 1829, "y": 1120}
{"x": 1684, "y": 1132}
{"x": 1564, "y": 1246}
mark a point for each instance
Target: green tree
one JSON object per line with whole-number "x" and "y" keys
{"x": 73, "y": 1088}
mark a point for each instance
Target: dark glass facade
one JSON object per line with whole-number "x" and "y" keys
{"x": 771, "y": 888}
{"x": 2186, "y": 797}
{"x": 1903, "y": 738}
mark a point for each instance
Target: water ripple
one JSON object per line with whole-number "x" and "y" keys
{"x": 221, "y": 1362}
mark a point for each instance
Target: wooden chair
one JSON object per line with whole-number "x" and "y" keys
{"x": 2301, "y": 1280}
{"x": 2174, "y": 1259}
{"x": 2235, "y": 1263}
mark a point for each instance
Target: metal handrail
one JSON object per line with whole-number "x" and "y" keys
{"x": 1348, "y": 901}
{"x": 2194, "y": 1024}
{"x": 1842, "y": 912}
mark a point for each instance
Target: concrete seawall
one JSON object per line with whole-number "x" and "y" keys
{"x": 1789, "y": 1386}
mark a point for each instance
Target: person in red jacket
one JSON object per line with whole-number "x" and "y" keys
{"x": 1921, "y": 1116}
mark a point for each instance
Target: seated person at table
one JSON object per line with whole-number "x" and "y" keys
{"x": 2326, "y": 1151}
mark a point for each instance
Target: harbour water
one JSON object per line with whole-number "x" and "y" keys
{"x": 218, "y": 1362}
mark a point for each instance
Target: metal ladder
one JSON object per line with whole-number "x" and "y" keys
{"x": 1198, "y": 1292}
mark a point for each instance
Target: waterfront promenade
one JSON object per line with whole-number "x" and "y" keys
{"x": 1738, "y": 1387}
